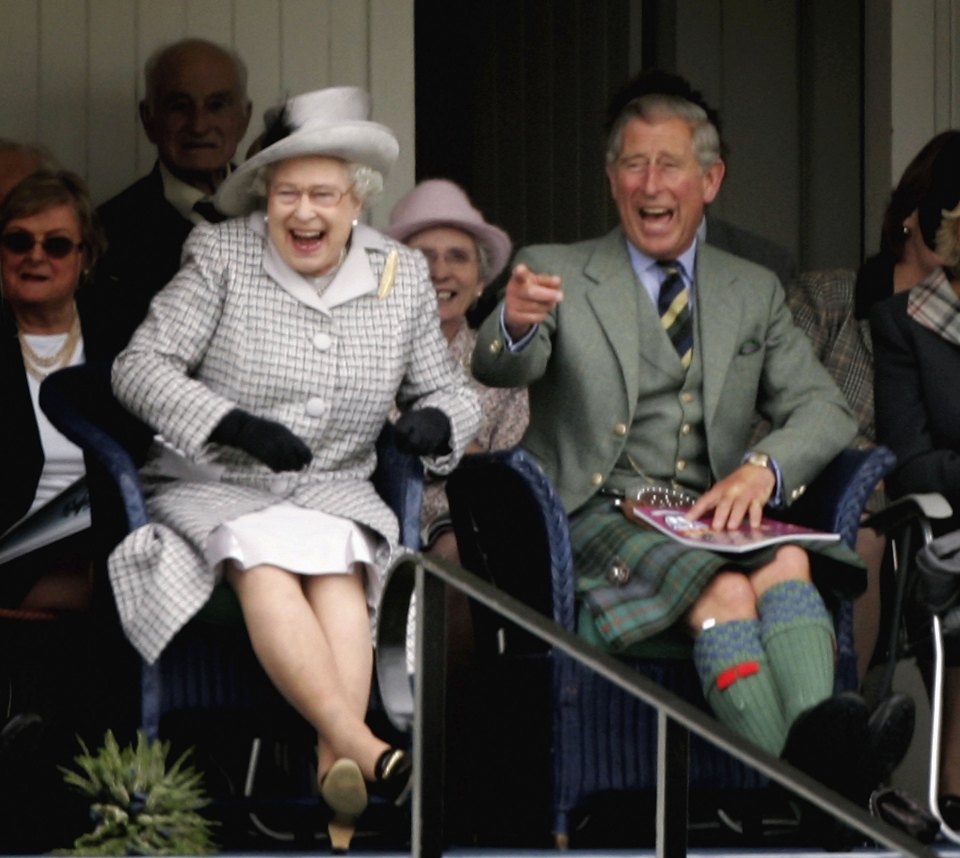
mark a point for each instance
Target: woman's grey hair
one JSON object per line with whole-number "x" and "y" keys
{"x": 365, "y": 182}
{"x": 947, "y": 239}
{"x": 706, "y": 139}
{"x": 483, "y": 261}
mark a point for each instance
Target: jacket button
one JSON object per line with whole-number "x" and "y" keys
{"x": 321, "y": 342}
{"x": 597, "y": 479}
{"x": 685, "y": 429}
{"x": 620, "y": 429}
{"x": 619, "y": 573}
{"x": 681, "y": 464}
{"x": 316, "y": 406}
{"x": 496, "y": 346}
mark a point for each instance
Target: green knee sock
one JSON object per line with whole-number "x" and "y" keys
{"x": 738, "y": 683}
{"x": 798, "y": 637}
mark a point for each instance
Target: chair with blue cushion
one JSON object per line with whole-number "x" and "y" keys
{"x": 208, "y": 677}
{"x": 511, "y": 530}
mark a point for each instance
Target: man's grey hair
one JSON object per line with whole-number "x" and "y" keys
{"x": 653, "y": 107}
{"x": 365, "y": 182}
{"x": 45, "y": 161}
{"x": 164, "y": 53}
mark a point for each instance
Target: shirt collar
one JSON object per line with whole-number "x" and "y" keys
{"x": 642, "y": 263}
{"x": 181, "y": 196}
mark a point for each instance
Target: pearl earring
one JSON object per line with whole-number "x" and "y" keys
{"x": 266, "y": 218}
{"x": 906, "y": 230}
{"x": 356, "y": 221}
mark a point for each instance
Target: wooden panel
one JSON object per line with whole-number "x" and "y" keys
{"x": 391, "y": 34}
{"x": 19, "y": 70}
{"x": 71, "y": 71}
{"x": 114, "y": 127}
{"x": 157, "y": 24}
{"x": 258, "y": 42}
{"x": 348, "y": 43}
{"x": 62, "y": 91}
{"x": 305, "y": 36}
{"x": 211, "y": 19}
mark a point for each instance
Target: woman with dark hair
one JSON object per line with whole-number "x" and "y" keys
{"x": 916, "y": 340}
{"x": 904, "y": 258}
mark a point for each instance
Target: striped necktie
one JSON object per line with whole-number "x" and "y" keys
{"x": 674, "y": 310}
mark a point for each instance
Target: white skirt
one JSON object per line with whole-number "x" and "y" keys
{"x": 304, "y": 541}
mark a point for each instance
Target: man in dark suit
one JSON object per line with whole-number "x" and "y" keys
{"x": 647, "y": 368}
{"x": 195, "y": 110}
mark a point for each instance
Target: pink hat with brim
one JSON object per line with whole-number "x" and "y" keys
{"x": 439, "y": 202}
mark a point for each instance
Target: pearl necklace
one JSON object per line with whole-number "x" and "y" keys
{"x": 40, "y": 366}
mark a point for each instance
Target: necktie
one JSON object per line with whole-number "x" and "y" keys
{"x": 208, "y": 211}
{"x": 675, "y": 311}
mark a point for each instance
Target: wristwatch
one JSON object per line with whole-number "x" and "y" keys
{"x": 762, "y": 460}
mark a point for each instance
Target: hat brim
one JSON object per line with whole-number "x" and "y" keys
{"x": 496, "y": 241}
{"x": 360, "y": 141}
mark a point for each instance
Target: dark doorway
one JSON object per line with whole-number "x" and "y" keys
{"x": 510, "y": 98}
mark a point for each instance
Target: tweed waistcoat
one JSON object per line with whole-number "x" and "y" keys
{"x": 666, "y": 441}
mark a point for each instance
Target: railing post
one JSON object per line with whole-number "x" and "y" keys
{"x": 429, "y": 740}
{"x": 673, "y": 774}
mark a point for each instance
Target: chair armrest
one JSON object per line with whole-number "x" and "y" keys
{"x": 510, "y": 524}
{"x": 79, "y": 402}
{"x": 836, "y": 499}
{"x": 910, "y": 508}
{"x": 398, "y": 479}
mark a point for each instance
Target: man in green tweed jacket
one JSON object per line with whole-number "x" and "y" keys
{"x": 626, "y": 389}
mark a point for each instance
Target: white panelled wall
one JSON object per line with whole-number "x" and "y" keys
{"x": 71, "y": 71}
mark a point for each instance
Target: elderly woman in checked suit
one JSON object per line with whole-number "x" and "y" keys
{"x": 271, "y": 362}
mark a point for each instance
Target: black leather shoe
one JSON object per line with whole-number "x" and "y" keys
{"x": 394, "y": 772}
{"x": 827, "y": 741}
{"x": 889, "y": 732}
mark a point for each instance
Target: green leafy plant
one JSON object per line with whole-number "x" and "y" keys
{"x": 139, "y": 805}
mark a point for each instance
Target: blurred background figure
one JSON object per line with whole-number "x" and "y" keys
{"x": 916, "y": 341}
{"x": 465, "y": 254}
{"x": 195, "y": 111}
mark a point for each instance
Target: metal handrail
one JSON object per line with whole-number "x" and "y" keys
{"x": 419, "y": 706}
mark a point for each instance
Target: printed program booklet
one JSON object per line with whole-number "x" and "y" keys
{"x": 699, "y": 534}
{"x": 64, "y": 515}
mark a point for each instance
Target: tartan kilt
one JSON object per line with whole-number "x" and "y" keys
{"x": 665, "y": 577}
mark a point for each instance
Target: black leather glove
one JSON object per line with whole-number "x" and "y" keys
{"x": 270, "y": 442}
{"x": 424, "y": 432}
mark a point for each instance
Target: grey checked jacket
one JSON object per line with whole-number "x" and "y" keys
{"x": 236, "y": 327}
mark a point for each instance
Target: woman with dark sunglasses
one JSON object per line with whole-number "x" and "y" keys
{"x": 49, "y": 243}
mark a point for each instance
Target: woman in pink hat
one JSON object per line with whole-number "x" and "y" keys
{"x": 465, "y": 254}
{"x": 270, "y": 363}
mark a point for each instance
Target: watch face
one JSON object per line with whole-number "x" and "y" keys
{"x": 761, "y": 459}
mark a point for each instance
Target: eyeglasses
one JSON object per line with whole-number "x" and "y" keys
{"x": 54, "y": 246}
{"x": 322, "y": 196}
{"x": 455, "y": 258}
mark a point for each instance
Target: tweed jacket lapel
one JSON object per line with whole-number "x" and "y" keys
{"x": 720, "y": 311}
{"x": 355, "y": 277}
{"x": 614, "y": 300}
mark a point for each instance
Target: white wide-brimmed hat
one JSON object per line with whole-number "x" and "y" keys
{"x": 440, "y": 202}
{"x": 329, "y": 122}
